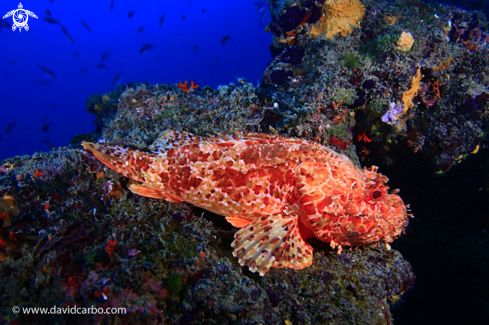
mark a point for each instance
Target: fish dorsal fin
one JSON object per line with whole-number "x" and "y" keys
{"x": 174, "y": 139}
{"x": 272, "y": 241}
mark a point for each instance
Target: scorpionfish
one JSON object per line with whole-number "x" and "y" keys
{"x": 279, "y": 191}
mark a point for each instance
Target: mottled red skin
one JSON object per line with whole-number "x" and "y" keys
{"x": 253, "y": 176}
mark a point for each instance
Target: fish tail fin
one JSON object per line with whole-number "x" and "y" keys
{"x": 126, "y": 161}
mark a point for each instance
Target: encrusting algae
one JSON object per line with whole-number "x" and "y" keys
{"x": 279, "y": 191}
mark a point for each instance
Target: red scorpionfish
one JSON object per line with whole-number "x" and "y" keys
{"x": 279, "y": 191}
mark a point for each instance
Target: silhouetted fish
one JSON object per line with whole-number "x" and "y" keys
{"x": 12, "y": 62}
{"x": 263, "y": 9}
{"x": 225, "y": 39}
{"x": 41, "y": 82}
{"x": 183, "y": 17}
{"x": 117, "y": 79}
{"x": 47, "y": 71}
{"x": 65, "y": 32}
{"x": 0, "y": 139}
{"x": 45, "y": 127}
{"x": 101, "y": 66}
{"x": 10, "y": 126}
{"x": 50, "y": 20}
{"x": 46, "y": 141}
{"x": 111, "y": 4}
{"x": 130, "y": 13}
{"x": 48, "y": 12}
{"x": 203, "y": 10}
{"x": 162, "y": 19}
{"x": 84, "y": 70}
{"x": 6, "y": 24}
{"x": 85, "y": 25}
{"x": 146, "y": 48}
{"x": 105, "y": 55}
{"x": 140, "y": 29}
{"x": 75, "y": 54}
{"x": 51, "y": 1}
{"x": 54, "y": 106}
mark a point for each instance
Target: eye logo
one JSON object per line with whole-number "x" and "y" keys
{"x": 20, "y": 17}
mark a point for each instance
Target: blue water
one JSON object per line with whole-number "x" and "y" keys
{"x": 187, "y": 47}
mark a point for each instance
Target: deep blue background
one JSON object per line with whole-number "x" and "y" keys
{"x": 174, "y": 59}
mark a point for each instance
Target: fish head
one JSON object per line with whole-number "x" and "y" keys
{"x": 349, "y": 206}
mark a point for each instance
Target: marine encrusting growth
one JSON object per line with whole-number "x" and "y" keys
{"x": 279, "y": 191}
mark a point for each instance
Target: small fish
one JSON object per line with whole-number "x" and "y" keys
{"x": 45, "y": 127}
{"x": 10, "y": 126}
{"x": 50, "y": 20}
{"x": 140, "y": 29}
{"x": 146, "y": 48}
{"x": 1, "y": 139}
{"x": 41, "y": 82}
{"x": 279, "y": 191}
{"x": 195, "y": 47}
{"x": 54, "y": 106}
{"x": 46, "y": 141}
{"x": 183, "y": 17}
{"x": 111, "y": 4}
{"x": 12, "y": 62}
{"x": 51, "y": 1}
{"x": 225, "y": 39}
{"x": 47, "y": 72}
{"x": 48, "y": 12}
{"x": 76, "y": 54}
{"x": 105, "y": 55}
{"x": 130, "y": 13}
{"x": 85, "y": 25}
{"x": 203, "y": 10}
{"x": 117, "y": 79}
{"x": 101, "y": 66}
{"x": 84, "y": 70}
{"x": 162, "y": 19}
{"x": 6, "y": 24}
{"x": 65, "y": 32}
{"x": 263, "y": 9}
{"x": 133, "y": 252}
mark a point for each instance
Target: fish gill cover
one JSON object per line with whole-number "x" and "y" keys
{"x": 83, "y": 235}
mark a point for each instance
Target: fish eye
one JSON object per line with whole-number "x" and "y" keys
{"x": 376, "y": 195}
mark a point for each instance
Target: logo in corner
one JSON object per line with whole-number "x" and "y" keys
{"x": 20, "y": 17}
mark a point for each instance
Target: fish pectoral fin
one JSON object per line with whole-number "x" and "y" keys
{"x": 272, "y": 241}
{"x": 154, "y": 193}
{"x": 238, "y": 222}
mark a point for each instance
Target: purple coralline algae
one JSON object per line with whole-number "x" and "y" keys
{"x": 393, "y": 114}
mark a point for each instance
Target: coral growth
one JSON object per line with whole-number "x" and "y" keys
{"x": 340, "y": 17}
{"x": 405, "y": 42}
